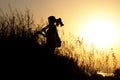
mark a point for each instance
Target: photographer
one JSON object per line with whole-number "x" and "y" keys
{"x": 51, "y": 34}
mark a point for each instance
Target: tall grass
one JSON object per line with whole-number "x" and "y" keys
{"x": 16, "y": 30}
{"x": 88, "y": 57}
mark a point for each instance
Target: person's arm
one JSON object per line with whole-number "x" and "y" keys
{"x": 43, "y": 31}
{"x": 43, "y": 34}
{"x": 39, "y": 32}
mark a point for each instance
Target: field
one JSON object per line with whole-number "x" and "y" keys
{"x": 27, "y": 57}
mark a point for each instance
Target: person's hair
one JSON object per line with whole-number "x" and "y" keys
{"x": 54, "y": 20}
{"x": 51, "y": 19}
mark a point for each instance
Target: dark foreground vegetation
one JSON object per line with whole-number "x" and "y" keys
{"x": 23, "y": 58}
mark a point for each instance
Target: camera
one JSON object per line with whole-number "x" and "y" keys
{"x": 59, "y": 22}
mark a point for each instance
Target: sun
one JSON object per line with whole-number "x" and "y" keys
{"x": 100, "y": 31}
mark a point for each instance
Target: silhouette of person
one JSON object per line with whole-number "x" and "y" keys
{"x": 51, "y": 34}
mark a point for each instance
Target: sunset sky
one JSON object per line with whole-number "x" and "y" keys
{"x": 78, "y": 16}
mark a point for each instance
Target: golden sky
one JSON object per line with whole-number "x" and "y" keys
{"x": 74, "y": 13}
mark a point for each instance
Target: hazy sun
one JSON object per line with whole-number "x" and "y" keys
{"x": 100, "y": 31}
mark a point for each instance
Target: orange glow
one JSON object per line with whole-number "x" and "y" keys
{"x": 100, "y": 31}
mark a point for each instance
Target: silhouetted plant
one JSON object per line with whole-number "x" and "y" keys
{"x": 88, "y": 57}
{"x": 16, "y": 28}
{"x": 75, "y": 57}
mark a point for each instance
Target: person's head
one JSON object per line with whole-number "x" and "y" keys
{"x": 51, "y": 19}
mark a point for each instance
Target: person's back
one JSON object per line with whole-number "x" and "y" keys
{"x": 51, "y": 34}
